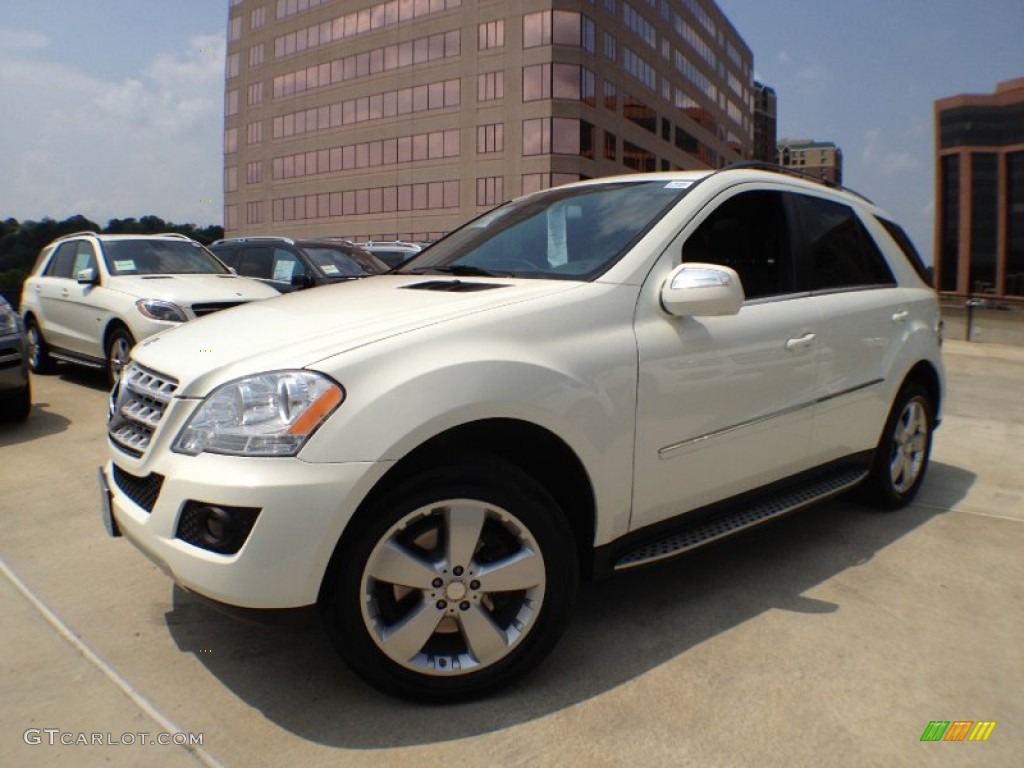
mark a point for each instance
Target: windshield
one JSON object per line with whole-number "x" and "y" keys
{"x": 160, "y": 257}
{"x": 573, "y": 233}
{"x": 339, "y": 262}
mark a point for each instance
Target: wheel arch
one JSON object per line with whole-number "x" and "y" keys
{"x": 535, "y": 450}
{"x": 925, "y": 374}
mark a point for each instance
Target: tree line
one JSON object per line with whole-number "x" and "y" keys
{"x": 21, "y": 241}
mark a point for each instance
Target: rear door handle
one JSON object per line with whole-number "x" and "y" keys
{"x": 901, "y": 316}
{"x": 801, "y": 343}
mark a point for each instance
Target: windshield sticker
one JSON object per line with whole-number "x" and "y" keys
{"x": 557, "y": 250}
{"x": 283, "y": 270}
{"x": 329, "y": 269}
{"x": 124, "y": 265}
{"x": 678, "y": 184}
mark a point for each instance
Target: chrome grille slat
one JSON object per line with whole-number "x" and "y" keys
{"x": 142, "y": 397}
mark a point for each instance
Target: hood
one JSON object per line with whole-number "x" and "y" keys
{"x": 185, "y": 290}
{"x": 297, "y": 330}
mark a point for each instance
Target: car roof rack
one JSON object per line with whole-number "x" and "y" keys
{"x": 277, "y": 238}
{"x": 76, "y": 234}
{"x": 760, "y": 165}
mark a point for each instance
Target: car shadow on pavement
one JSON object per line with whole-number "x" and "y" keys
{"x": 620, "y": 629}
{"x": 41, "y": 422}
{"x": 86, "y": 377}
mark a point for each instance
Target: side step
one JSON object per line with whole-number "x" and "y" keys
{"x": 712, "y": 530}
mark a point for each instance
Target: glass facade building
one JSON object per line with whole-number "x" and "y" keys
{"x": 979, "y": 223}
{"x": 381, "y": 119}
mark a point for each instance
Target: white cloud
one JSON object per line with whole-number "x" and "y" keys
{"x": 21, "y": 40}
{"x": 886, "y": 156}
{"x": 150, "y": 144}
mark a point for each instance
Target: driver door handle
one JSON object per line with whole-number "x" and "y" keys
{"x": 800, "y": 343}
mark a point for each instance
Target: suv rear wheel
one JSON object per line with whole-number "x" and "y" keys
{"x": 457, "y": 582}
{"x": 901, "y": 458}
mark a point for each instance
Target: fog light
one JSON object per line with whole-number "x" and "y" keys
{"x": 217, "y": 525}
{"x": 214, "y": 527}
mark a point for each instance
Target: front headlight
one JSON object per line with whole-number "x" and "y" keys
{"x": 8, "y": 320}
{"x": 270, "y": 414}
{"x": 155, "y": 309}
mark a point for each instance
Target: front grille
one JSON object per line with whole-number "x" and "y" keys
{"x": 138, "y": 403}
{"x": 142, "y": 490}
{"x": 216, "y": 306}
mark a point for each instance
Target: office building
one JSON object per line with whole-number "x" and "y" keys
{"x": 406, "y": 118}
{"x": 821, "y": 159}
{"x": 765, "y": 123}
{"x": 979, "y": 193}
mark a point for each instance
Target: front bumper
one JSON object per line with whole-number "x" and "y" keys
{"x": 302, "y": 510}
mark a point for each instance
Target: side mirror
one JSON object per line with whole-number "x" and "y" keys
{"x": 694, "y": 290}
{"x": 87, "y": 277}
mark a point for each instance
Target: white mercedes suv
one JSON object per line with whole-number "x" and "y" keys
{"x": 584, "y": 380}
{"x": 90, "y": 296}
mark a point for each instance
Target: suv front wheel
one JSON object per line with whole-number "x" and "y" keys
{"x": 119, "y": 347}
{"x": 455, "y": 583}
{"x": 39, "y": 359}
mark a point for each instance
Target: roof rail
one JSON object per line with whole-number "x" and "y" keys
{"x": 760, "y": 165}
{"x": 253, "y": 237}
{"x": 174, "y": 234}
{"x": 77, "y": 234}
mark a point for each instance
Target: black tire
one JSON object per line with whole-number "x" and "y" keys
{"x": 18, "y": 406}
{"x": 500, "y": 513}
{"x": 39, "y": 359}
{"x": 901, "y": 458}
{"x": 119, "y": 344}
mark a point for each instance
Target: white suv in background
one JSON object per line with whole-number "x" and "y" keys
{"x": 582, "y": 381}
{"x": 91, "y": 297}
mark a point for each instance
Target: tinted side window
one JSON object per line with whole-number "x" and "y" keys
{"x": 227, "y": 255}
{"x": 909, "y": 251}
{"x": 842, "y": 252}
{"x": 63, "y": 260}
{"x": 750, "y": 233}
{"x": 85, "y": 258}
{"x": 286, "y": 265}
{"x": 256, "y": 262}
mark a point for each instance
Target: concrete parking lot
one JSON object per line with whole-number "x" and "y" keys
{"x": 830, "y": 638}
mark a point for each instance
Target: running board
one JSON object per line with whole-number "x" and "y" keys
{"x": 712, "y": 530}
{"x": 68, "y": 357}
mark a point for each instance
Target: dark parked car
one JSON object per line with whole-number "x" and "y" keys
{"x": 290, "y": 265}
{"x": 15, "y": 389}
{"x": 393, "y": 252}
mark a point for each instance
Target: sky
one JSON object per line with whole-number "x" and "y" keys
{"x": 114, "y": 108}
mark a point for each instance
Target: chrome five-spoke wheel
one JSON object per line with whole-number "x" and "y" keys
{"x": 456, "y": 582}
{"x": 901, "y": 458}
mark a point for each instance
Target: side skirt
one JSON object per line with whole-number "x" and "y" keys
{"x": 699, "y": 527}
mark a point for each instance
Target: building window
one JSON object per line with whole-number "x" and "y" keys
{"x": 434, "y": 195}
{"x": 230, "y": 217}
{"x": 231, "y": 178}
{"x": 609, "y": 46}
{"x": 234, "y": 29}
{"x": 559, "y": 81}
{"x": 558, "y": 27}
{"x": 1015, "y": 224}
{"x": 256, "y": 55}
{"x": 254, "y": 133}
{"x": 258, "y": 18}
{"x": 490, "y": 138}
{"x": 255, "y": 94}
{"x": 490, "y": 86}
{"x": 984, "y": 221}
{"x": 638, "y": 158}
{"x": 611, "y": 98}
{"x": 231, "y": 66}
{"x": 610, "y": 146}
{"x": 230, "y": 141}
{"x": 639, "y": 113}
{"x": 254, "y": 172}
{"x": 490, "y": 190}
{"x": 254, "y": 212}
{"x": 491, "y": 34}
{"x": 558, "y": 136}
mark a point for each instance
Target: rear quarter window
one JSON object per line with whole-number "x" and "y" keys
{"x": 842, "y": 253}
{"x": 906, "y": 248}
